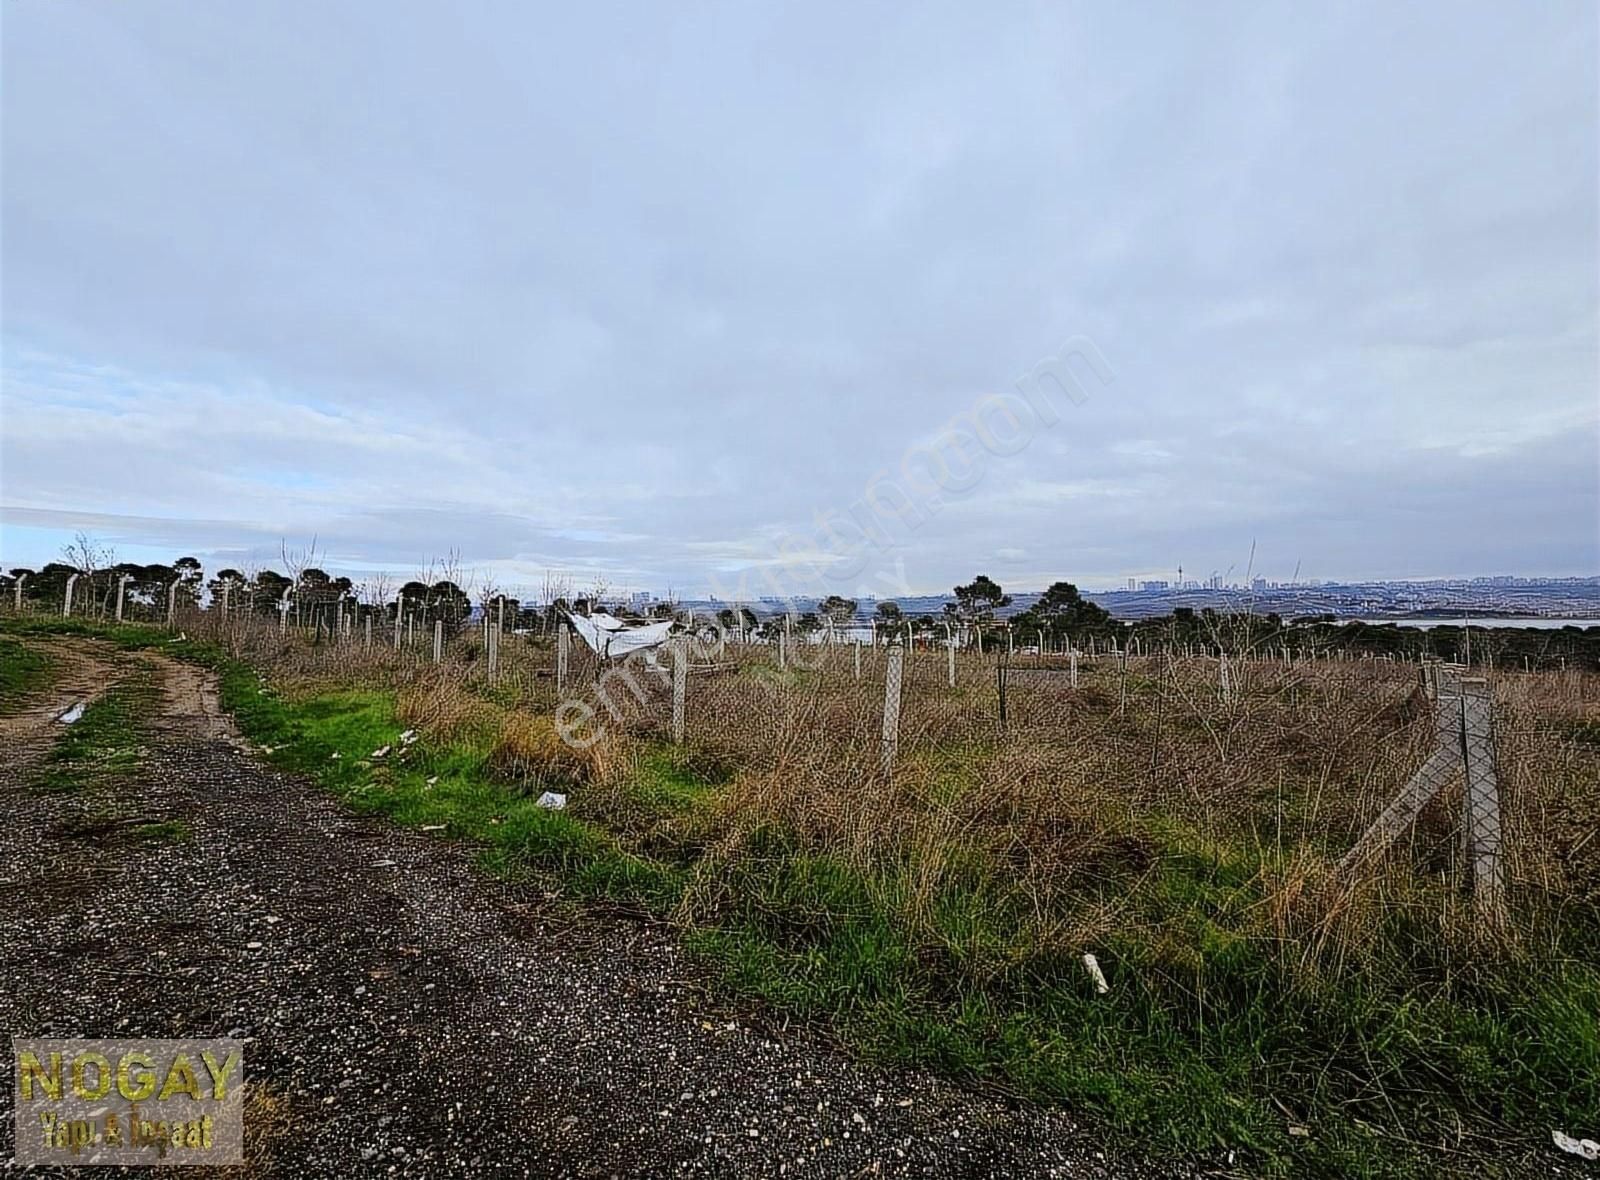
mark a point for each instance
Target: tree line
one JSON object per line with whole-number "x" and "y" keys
{"x": 1059, "y": 617}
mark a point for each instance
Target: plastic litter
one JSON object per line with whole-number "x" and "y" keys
{"x": 1092, "y": 965}
{"x": 551, "y": 800}
{"x": 1586, "y": 1148}
{"x": 380, "y": 751}
{"x": 72, "y": 714}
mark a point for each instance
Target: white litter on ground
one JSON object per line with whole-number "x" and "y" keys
{"x": 1092, "y": 964}
{"x": 71, "y": 715}
{"x": 551, "y": 800}
{"x": 1587, "y": 1148}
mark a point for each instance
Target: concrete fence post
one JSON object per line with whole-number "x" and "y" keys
{"x": 950, "y": 654}
{"x": 563, "y": 646}
{"x": 493, "y": 646}
{"x": 122, "y": 588}
{"x": 21, "y": 578}
{"x": 893, "y": 671}
{"x": 66, "y": 603}
{"x": 1481, "y": 810}
{"x": 858, "y": 657}
{"x": 367, "y": 633}
{"x": 438, "y": 641}
{"x": 680, "y": 688}
{"x": 1072, "y": 667}
{"x": 172, "y": 604}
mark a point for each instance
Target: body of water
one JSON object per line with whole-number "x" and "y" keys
{"x": 1535, "y": 624}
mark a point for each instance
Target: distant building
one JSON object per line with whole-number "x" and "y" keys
{"x": 1155, "y": 585}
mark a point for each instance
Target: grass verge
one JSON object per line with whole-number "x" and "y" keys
{"x": 24, "y": 672}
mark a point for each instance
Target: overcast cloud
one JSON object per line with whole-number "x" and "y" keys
{"x": 641, "y": 290}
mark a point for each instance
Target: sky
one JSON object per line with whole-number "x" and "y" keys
{"x": 688, "y": 297}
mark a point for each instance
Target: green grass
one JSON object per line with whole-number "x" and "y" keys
{"x": 106, "y": 744}
{"x": 173, "y": 831}
{"x": 1208, "y": 1040}
{"x": 24, "y": 672}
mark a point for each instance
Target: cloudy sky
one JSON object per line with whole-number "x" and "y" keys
{"x": 647, "y": 292}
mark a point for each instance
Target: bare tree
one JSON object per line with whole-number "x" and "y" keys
{"x": 556, "y": 587}
{"x": 376, "y": 590}
{"x": 89, "y": 557}
{"x": 489, "y": 594}
{"x": 296, "y": 562}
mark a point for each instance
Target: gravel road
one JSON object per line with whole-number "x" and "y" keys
{"x": 407, "y": 1015}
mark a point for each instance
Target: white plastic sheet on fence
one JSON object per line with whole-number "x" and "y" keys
{"x": 608, "y": 636}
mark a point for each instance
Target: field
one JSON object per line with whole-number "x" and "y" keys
{"x": 1182, "y": 825}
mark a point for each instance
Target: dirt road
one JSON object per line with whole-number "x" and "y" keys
{"x": 407, "y": 1015}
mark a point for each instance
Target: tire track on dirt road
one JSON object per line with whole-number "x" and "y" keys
{"x": 408, "y": 1015}
{"x": 79, "y": 673}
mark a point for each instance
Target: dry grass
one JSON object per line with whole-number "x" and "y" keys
{"x": 1190, "y": 841}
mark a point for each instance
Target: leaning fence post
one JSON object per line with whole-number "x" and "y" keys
{"x": 891, "y": 706}
{"x": 438, "y": 641}
{"x": 680, "y": 685}
{"x": 66, "y": 603}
